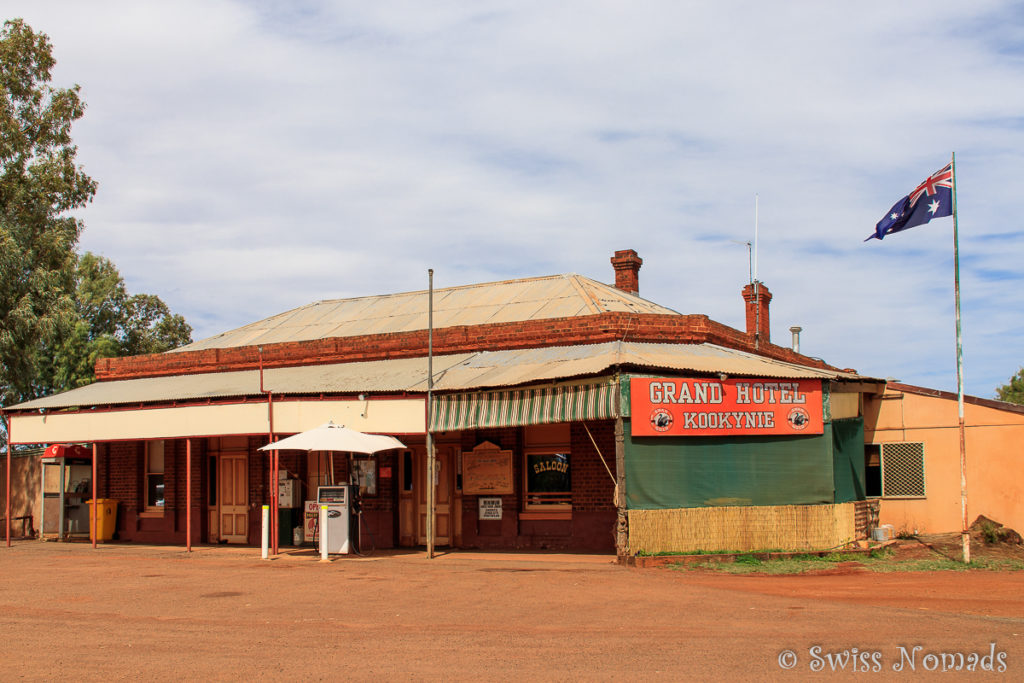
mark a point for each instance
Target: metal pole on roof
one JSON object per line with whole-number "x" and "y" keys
{"x": 430, "y": 406}
{"x": 965, "y": 536}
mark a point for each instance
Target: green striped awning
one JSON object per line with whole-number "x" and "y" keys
{"x": 517, "y": 407}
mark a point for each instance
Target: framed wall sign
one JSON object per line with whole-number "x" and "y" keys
{"x": 487, "y": 470}
{"x": 490, "y": 508}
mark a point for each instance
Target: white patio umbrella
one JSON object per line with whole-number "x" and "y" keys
{"x": 332, "y": 437}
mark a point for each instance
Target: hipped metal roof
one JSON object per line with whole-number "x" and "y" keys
{"x": 456, "y": 372}
{"x": 555, "y": 296}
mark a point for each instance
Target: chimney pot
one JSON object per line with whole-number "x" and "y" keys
{"x": 627, "y": 270}
{"x": 796, "y": 329}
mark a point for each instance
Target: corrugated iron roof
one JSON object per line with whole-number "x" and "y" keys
{"x": 539, "y": 298}
{"x": 455, "y": 372}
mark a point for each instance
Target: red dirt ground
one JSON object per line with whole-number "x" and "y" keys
{"x": 122, "y": 612}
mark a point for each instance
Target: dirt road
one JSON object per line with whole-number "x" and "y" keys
{"x": 120, "y": 612}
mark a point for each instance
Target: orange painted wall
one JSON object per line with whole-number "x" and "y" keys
{"x": 995, "y": 460}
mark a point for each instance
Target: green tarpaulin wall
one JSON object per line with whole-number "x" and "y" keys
{"x": 676, "y": 472}
{"x": 848, "y": 459}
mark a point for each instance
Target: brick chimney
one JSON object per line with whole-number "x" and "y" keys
{"x": 758, "y": 297}
{"x": 627, "y": 270}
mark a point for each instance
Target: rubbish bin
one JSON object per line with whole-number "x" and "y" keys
{"x": 106, "y": 518}
{"x": 286, "y": 522}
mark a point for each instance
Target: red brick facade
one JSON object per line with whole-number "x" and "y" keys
{"x": 591, "y": 526}
{"x": 589, "y": 329}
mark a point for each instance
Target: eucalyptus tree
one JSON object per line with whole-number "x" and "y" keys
{"x": 40, "y": 186}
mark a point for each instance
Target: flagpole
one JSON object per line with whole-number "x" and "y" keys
{"x": 964, "y": 535}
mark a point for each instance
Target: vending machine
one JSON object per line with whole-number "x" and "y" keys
{"x": 340, "y": 501}
{"x": 289, "y": 508}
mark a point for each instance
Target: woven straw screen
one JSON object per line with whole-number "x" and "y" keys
{"x": 741, "y": 528}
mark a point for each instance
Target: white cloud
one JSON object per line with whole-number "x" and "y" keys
{"x": 254, "y": 156}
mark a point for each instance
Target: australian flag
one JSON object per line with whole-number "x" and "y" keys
{"x": 931, "y": 199}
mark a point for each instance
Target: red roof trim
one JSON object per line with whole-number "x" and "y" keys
{"x": 950, "y": 396}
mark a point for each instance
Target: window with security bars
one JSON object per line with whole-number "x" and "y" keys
{"x": 903, "y": 470}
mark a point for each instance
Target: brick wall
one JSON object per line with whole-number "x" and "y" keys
{"x": 592, "y": 525}
{"x": 593, "y": 489}
{"x": 124, "y": 473}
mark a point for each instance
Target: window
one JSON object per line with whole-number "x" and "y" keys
{"x": 317, "y": 472}
{"x": 365, "y": 470}
{"x": 407, "y": 473}
{"x": 155, "y": 475}
{"x": 903, "y": 470}
{"x": 547, "y": 471}
{"x": 548, "y": 481}
{"x": 872, "y": 470}
{"x": 212, "y": 467}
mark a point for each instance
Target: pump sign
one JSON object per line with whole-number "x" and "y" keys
{"x": 675, "y": 406}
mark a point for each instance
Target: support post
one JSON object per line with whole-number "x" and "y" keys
{"x": 272, "y": 466}
{"x": 265, "y": 536}
{"x": 94, "y": 512}
{"x": 7, "y": 505}
{"x": 188, "y": 494}
{"x": 621, "y": 518}
{"x": 274, "y": 488}
{"x": 431, "y": 465}
{"x": 61, "y": 517}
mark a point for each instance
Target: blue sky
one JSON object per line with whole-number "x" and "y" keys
{"x": 256, "y": 156}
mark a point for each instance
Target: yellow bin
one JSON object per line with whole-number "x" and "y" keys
{"x": 106, "y": 519}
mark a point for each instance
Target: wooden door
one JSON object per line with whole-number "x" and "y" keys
{"x": 234, "y": 498}
{"x": 407, "y": 488}
{"x": 443, "y": 508}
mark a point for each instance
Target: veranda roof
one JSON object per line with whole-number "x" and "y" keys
{"x": 456, "y": 372}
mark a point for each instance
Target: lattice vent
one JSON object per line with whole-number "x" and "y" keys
{"x": 903, "y": 470}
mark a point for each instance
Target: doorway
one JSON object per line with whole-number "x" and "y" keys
{"x": 229, "y": 488}
{"x": 412, "y": 503}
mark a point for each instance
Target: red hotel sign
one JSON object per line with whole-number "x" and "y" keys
{"x": 708, "y": 407}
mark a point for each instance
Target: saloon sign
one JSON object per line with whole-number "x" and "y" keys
{"x": 709, "y": 407}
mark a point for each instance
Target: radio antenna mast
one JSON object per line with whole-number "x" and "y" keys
{"x": 755, "y": 238}
{"x": 750, "y": 258}
{"x": 757, "y": 286}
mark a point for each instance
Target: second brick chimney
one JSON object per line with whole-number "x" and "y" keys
{"x": 758, "y": 297}
{"x": 627, "y": 270}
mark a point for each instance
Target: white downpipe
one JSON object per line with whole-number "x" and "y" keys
{"x": 265, "y": 543}
{"x": 323, "y": 533}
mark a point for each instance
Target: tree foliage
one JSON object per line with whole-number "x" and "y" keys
{"x": 107, "y": 323}
{"x": 58, "y": 312}
{"x": 40, "y": 184}
{"x": 1013, "y": 391}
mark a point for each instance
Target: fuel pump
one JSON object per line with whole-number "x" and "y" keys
{"x": 344, "y": 520}
{"x": 338, "y": 500}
